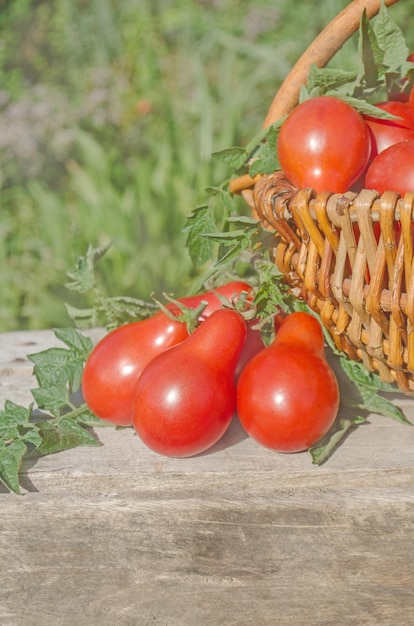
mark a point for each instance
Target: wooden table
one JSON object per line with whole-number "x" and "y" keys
{"x": 239, "y": 536}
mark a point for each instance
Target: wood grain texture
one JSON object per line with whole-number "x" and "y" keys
{"x": 238, "y": 536}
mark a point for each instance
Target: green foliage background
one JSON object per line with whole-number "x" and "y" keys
{"x": 109, "y": 112}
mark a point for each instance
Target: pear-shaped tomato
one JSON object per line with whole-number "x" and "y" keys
{"x": 287, "y": 395}
{"x": 185, "y": 398}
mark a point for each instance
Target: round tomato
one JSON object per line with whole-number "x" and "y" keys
{"x": 384, "y": 133}
{"x": 393, "y": 169}
{"x": 185, "y": 398}
{"x": 324, "y": 143}
{"x": 399, "y": 109}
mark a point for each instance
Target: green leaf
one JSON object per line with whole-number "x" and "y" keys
{"x": 85, "y": 417}
{"x": 364, "y": 380}
{"x": 325, "y": 79}
{"x": 234, "y": 157}
{"x": 391, "y": 40}
{"x": 63, "y": 435}
{"x": 82, "y": 318}
{"x": 227, "y": 238}
{"x": 32, "y": 437}
{"x": 198, "y": 223}
{"x": 14, "y": 414}
{"x": 266, "y": 160}
{"x": 79, "y": 343}
{"x": 227, "y": 204}
{"x": 376, "y": 403}
{"x": 324, "y": 449}
{"x": 11, "y": 457}
{"x": 60, "y": 365}
{"x": 52, "y": 398}
{"x": 82, "y": 278}
{"x": 371, "y": 54}
{"x": 364, "y": 107}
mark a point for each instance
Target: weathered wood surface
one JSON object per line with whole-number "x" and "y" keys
{"x": 235, "y": 537}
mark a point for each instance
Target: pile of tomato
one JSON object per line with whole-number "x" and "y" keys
{"x": 180, "y": 390}
{"x": 327, "y": 145}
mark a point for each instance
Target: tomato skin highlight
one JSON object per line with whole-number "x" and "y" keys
{"x": 324, "y": 144}
{"x": 185, "y": 398}
{"x": 113, "y": 366}
{"x": 288, "y": 395}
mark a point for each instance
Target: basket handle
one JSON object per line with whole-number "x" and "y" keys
{"x": 321, "y": 50}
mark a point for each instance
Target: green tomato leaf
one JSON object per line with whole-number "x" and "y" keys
{"x": 60, "y": 366}
{"x": 323, "y": 80}
{"x": 11, "y": 457}
{"x": 14, "y": 415}
{"x": 85, "y": 417}
{"x": 82, "y": 278}
{"x": 52, "y": 398}
{"x": 79, "y": 343}
{"x": 390, "y": 40}
{"x": 324, "y": 449}
{"x": 376, "y": 403}
{"x": 82, "y": 318}
{"x": 63, "y": 435}
{"x": 371, "y": 54}
{"x": 364, "y": 107}
{"x": 199, "y": 223}
{"x": 234, "y": 157}
{"x": 32, "y": 437}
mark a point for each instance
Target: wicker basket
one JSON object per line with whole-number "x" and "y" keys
{"x": 363, "y": 291}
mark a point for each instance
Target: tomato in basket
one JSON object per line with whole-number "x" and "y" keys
{"x": 393, "y": 169}
{"x": 325, "y": 144}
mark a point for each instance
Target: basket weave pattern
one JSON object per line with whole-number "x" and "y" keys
{"x": 350, "y": 257}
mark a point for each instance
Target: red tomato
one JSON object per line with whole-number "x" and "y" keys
{"x": 303, "y": 329}
{"x": 384, "y": 133}
{"x": 324, "y": 143}
{"x": 112, "y": 368}
{"x": 411, "y": 100}
{"x": 253, "y": 344}
{"x": 185, "y": 398}
{"x": 398, "y": 108}
{"x": 231, "y": 291}
{"x": 287, "y": 395}
{"x": 115, "y": 363}
{"x": 393, "y": 169}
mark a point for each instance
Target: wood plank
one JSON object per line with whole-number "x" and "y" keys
{"x": 238, "y": 536}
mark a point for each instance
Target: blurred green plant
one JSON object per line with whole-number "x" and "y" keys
{"x": 109, "y": 112}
